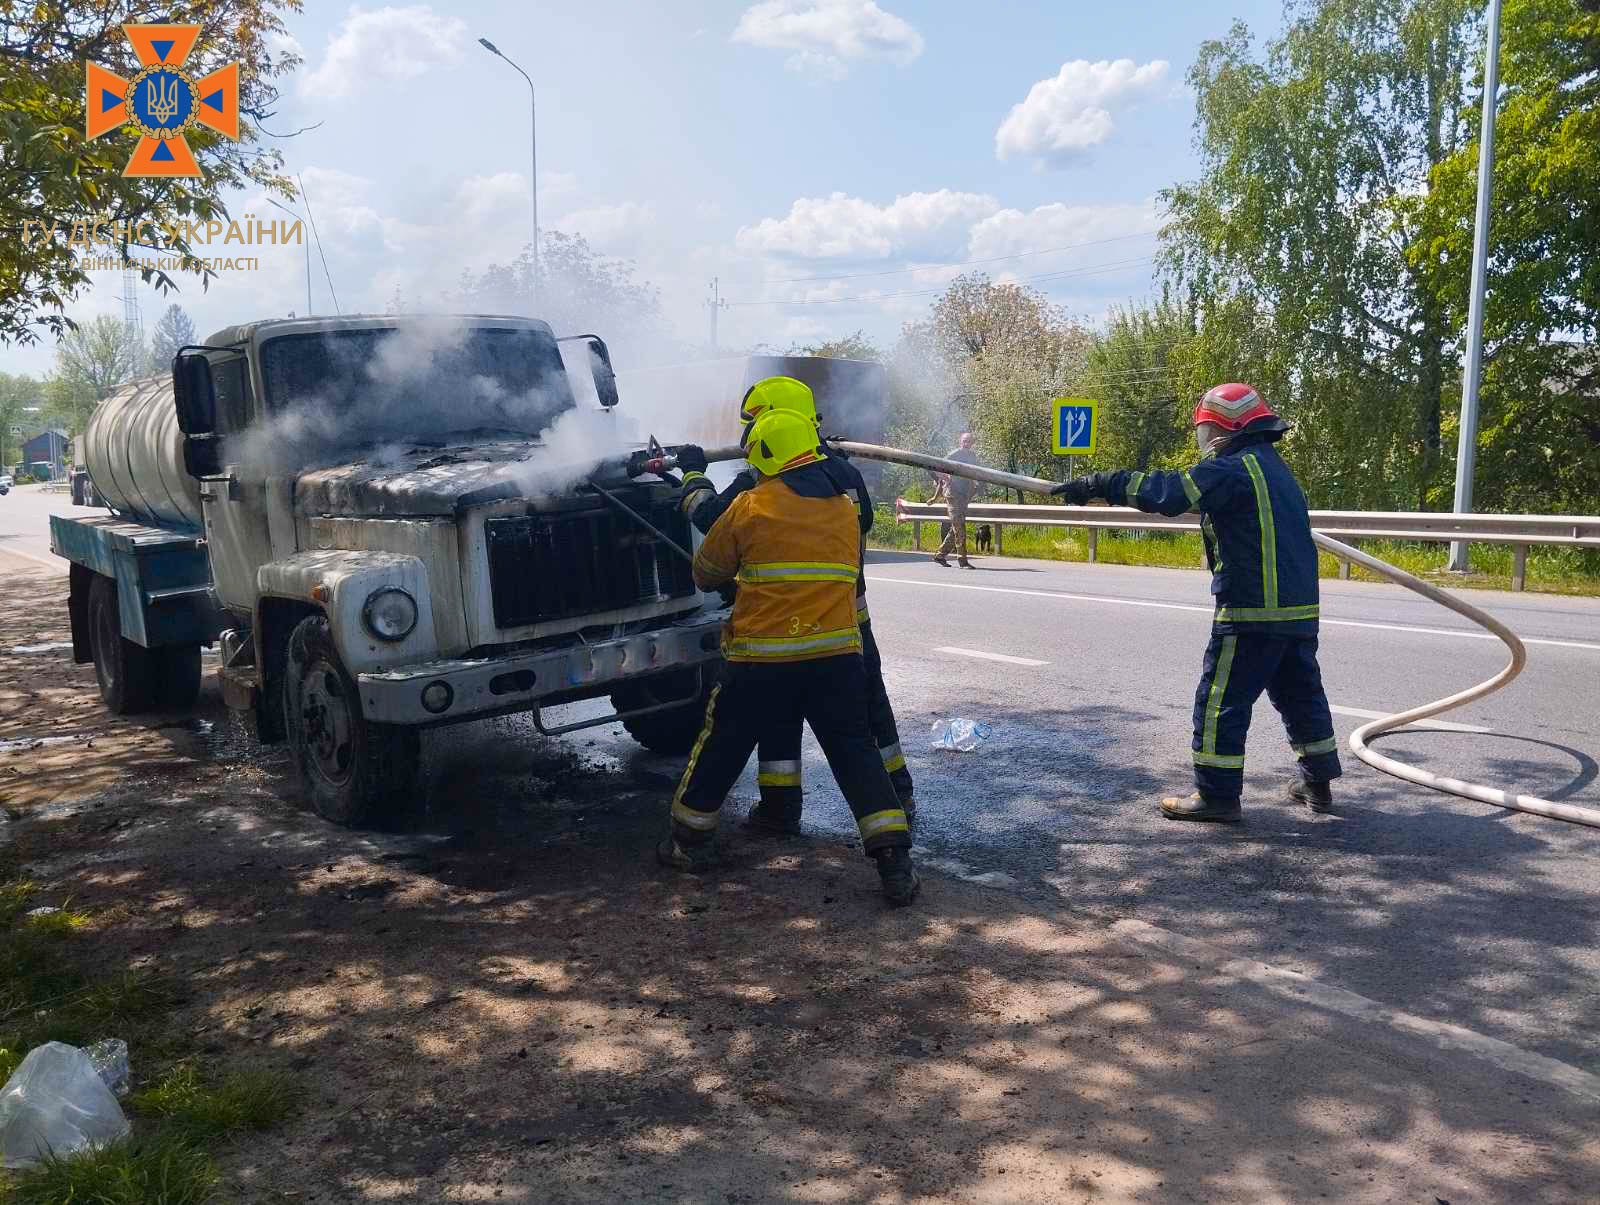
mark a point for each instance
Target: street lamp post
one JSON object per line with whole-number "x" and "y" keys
{"x": 533, "y": 158}
{"x": 1467, "y": 446}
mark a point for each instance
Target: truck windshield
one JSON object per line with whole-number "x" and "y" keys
{"x": 423, "y": 383}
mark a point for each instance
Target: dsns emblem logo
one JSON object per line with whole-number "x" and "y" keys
{"x": 162, "y": 101}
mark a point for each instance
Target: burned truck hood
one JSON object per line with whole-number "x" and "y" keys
{"x": 432, "y": 481}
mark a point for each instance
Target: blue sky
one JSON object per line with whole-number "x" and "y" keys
{"x": 754, "y": 142}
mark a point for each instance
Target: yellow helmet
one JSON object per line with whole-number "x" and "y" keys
{"x": 780, "y": 440}
{"x": 779, "y": 393}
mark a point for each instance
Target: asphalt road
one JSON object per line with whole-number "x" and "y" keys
{"x": 25, "y": 522}
{"x": 1429, "y": 904}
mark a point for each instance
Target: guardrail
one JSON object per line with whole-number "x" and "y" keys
{"x": 1519, "y": 531}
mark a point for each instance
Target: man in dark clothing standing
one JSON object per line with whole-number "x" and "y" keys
{"x": 1264, "y": 635}
{"x": 959, "y": 492}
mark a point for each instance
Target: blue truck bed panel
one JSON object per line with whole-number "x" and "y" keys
{"x": 162, "y": 574}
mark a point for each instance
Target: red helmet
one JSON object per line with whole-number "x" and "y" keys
{"x": 1233, "y": 406}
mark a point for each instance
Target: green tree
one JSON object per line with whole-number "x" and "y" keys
{"x": 999, "y": 353}
{"x": 1539, "y": 438}
{"x": 1318, "y": 160}
{"x": 855, "y": 346}
{"x": 92, "y": 359}
{"x": 17, "y": 392}
{"x": 581, "y": 290}
{"x": 50, "y": 172}
{"x": 1133, "y": 371}
{"x": 174, "y": 329}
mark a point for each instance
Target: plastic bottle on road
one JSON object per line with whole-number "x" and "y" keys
{"x": 959, "y": 734}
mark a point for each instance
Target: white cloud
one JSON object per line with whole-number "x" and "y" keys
{"x": 840, "y": 226}
{"x": 825, "y": 36}
{"x": 613, "y": 229}
{"x": 1011, "y": 231}
{"x": 1064, "y": 116}
{"x": 384, "y": 43}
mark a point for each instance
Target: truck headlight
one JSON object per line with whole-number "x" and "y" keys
{"x": 390, "y": 613}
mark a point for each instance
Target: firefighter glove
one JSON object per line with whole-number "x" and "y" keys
{"x": 1075, "y": 492}
{"x": 692, "y": 458}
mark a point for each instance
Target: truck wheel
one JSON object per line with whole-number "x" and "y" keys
{"x": 349, "y": 769}
{"x": 175, "y": 669}
{"x": 672, "y": 731}
{"x": 121, "y": 667}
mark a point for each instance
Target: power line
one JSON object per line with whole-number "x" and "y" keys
{"x": 964, "y": 263}
{"x": 1113, "y": 266}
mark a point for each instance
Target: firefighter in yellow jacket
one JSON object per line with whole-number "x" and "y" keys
{"x": 793, "y": 650}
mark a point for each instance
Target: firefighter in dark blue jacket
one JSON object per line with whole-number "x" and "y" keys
{"x": 1264, "y": 576}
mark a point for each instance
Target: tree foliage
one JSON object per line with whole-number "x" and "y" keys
{"x": 1318, "y": 162}
{"x": 1540, "y": 423}
{"x": 92, "y": 359}
{"x": 17, "y": 393}
{"x": 174, "y": 329}
{"x": 49, "y": 172}
{"x": 581, "y": 291}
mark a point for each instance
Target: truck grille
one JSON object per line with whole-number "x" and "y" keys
{"x": 548, "y": 567}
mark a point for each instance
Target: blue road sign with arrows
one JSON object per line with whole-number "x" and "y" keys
{"x": 1076, "y": 429}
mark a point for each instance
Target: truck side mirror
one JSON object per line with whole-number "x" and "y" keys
{"x": 194, "y": 393}
{"x": 605, "y": 377}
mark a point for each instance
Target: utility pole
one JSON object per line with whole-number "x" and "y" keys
{"x": 1472, "y": 377}
{"x": 713, "y": 304}
{"x": 533, "y": 160}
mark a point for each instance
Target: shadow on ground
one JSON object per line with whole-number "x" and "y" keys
{"x": 503, "y": 998}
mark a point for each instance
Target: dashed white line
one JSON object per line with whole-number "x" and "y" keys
{"x": 1361, "y": 713}
{"x": 1166, "y": 606}
{"x": 983, "y": 656}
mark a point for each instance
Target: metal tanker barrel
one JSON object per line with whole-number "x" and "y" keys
{"x": 134, "y": 453}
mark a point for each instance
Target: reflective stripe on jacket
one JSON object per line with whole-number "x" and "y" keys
{"x": 1256, "y": 527}
{"x": 795, "y": 558}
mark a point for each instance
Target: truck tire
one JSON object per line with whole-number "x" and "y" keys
{"x": 121, "y": 667}
{"x": 175, "y": 669}
{"x": 350, "y": 770}
{"x": 675, "y": 730}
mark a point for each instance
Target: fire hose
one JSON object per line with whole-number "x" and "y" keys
{"x": 1360, "y": 738}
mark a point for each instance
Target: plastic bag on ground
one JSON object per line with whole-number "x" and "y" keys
{"x": 110, "y": 1059}
{"x": 959, "y": 734}
{"x": 56, "y": 1103}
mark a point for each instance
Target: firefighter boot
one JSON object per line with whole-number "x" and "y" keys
{"x": 1199, "y": 807}
{"x": 1318, "y": 796}
{"x": 767, "y": 819}
{"x": 692, "y": 859}
{"x": 900, "y": 880}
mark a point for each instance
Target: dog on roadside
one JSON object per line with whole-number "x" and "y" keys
{"x": 984, "y": 539}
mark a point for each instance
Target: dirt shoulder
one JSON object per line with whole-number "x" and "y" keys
{"x": 510, "y": 1002}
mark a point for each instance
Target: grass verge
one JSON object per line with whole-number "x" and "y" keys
{"x": 45, "y": 996}
{"x": 1550, "y": 570}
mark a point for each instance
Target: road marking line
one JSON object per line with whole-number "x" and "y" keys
{"x": 1300, "y": 987}
{"x": 1361, "y": 713}
{"x": 982, "y": 656}
{"x": 51, "y": 562}
{"x": 1165, "y": 606}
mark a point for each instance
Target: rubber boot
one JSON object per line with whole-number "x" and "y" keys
{"x": 940, "y": 559}
{"x": 691, "y": 859}
{"x": 900, "y": 880}
{"x": 765, "y": 820}
{"x": 964, "y": 563}
{"x": 1318, "y": 796}
{"x": 1198, "y": 807}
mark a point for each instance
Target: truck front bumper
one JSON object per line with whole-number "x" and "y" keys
{"x": 468, "y": 687}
